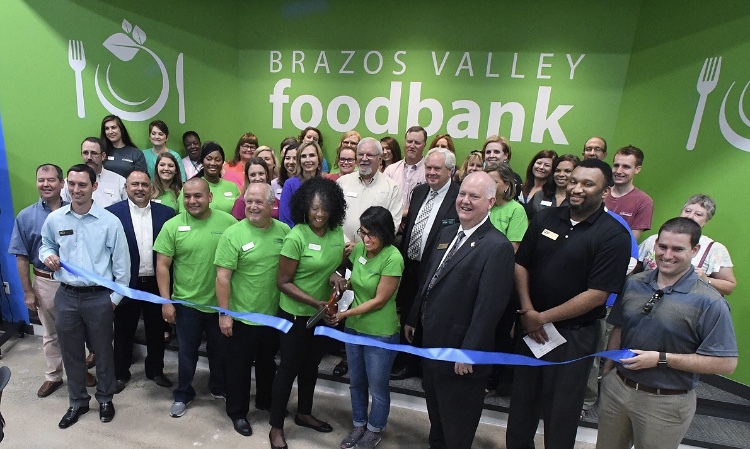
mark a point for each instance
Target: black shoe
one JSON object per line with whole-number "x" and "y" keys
{"x": 71, "y": 417}
{"x": 324, "y": 428}
{"x": 242, "y": 427}
{"x": 161, "y": 380}
{"x": 341, "y": 369}
{"x": 276, "y": 447}
{"x": 403, "y": 373}
{"x": 106, "y": 411}
{"x": 119, "y": 386}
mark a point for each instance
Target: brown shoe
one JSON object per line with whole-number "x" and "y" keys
{"x": 48, "y": 387}
{"x": 90, "y": 380}
{"x": 90, "y": 361}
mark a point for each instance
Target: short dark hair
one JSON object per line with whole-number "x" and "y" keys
{"x": 630, "y": 150}
{"x": 187, "y": 134}
{"x": 159, "y": 124}
{"x": 209, "y": 147}
{"x": 604, "y": 148}
{"x": 58, "y": 170}
{"x": 379, "y": 221}
{"x": 550, "y": 187}
{"x": 98, "y": 141}
{"x": 417, "y": 129}
{"x": 330, "y": 195}
{"x": 602, "y": 166}
{"x": 683, "y": 225}
{"x": 83, "y": 168}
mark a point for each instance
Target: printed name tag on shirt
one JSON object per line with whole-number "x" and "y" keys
{"x": 278, "y": 191}
{"x": 448, "y": 221}
{"x": 66, "y": 232}
{"x": 546, "y": 203}
{"x": 443, "y": 245}
{"x": 228, "y": 194}
{"x": 314, "y": 247}
{"x": 549, "y": 234}
{"x": 248, "y": 246}
{"x": 351, "y": 194}
{"x": 156, "y": 201}
{"x": 110, "y": 158}
{"x": 362, "y": 260}
{"x": 183, "y": 228}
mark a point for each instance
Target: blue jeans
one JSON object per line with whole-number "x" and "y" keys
{"x": 190, "y": 324}
{"x": 370, "y": 367}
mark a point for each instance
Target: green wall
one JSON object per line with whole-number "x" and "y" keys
{"x": 634, "y": 84}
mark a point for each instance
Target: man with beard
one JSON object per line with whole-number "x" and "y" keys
{"x": 569, "y": 261}
{"x": 368, "y": 187}
{"x": 192, "y": 162}
{"x": 111, "y": 185}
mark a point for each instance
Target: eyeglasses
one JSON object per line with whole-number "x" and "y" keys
{"x": 369, "y": 156}
{"x": 346, "y": 160}
{"x": 593, "y": 149}
{"x": 651, "y": 302}
{"x": 362, "y": 234}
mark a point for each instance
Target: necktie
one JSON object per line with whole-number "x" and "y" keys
{"x": 419, "y": 225}
{"x": 447, "y": 257}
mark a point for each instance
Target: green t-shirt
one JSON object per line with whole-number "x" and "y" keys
{"x": 192, "y": 244}
{"x": 225, "y": 193}
{"x": 318, "y": 258}
{"x": 151, "y": 163}
{"x": 253, "y": 256}
{"x": 365, "y": 278}
{"x": 510, "y": 219}
{"x": 169, "y": 199}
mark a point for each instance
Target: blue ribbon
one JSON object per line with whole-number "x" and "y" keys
{"x": 463, "y": 355}
{"x": 442, "y": 354}
{"x": 266, "y": 320}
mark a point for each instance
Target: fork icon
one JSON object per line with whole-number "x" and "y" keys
{"x": 77, "y": 61}
{"x": 706, "y": 83}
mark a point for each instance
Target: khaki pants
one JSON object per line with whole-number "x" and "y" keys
{"x": 45, "y": 290}
{"x": 650, "y": 421}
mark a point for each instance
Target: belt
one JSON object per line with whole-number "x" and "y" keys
{"x": 43, "y": 274}
{"x": 652, "y": 390}
{"x": 86, "y": 289}
{"x": 146, "y": 279}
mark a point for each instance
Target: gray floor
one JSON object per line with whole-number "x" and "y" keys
{"x": 143, "y": 419}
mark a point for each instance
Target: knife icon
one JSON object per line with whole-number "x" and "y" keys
{"x": 179, "y": 79}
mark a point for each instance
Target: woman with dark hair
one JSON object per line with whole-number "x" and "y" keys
{"x": 122, "y": 155}
{"x": 311, "y": 253}
{"x": 287, "y": 168}
{"x": 506, "y": 215}
{"x": 312, "y": 134}
{"x": 256, "y": 171}
{"x": 346, "y": 162}
{"x": 376, "y": 267}
{"x": 537, "y": 172}
{"x": 224, "y": 192}
{"x": 244, "y": 151}
{"x": 191, "y": 141}
{"x": 473, "y": 162}
{"x": 309, "y": 166}
{"x": 167, "y": 185}
{"x": 554, "y": 193}
{"x": 391, "y": 151}
{"x": 158, "y": 134}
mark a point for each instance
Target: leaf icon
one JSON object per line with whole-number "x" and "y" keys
{"x": 139, "y": 35}
{"x": 126, "y": 26}
{"x": 122, "y": 46}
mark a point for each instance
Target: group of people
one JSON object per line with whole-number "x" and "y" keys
{"x": 435, "y": 255}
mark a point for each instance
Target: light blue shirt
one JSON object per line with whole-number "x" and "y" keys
{"x": 94, "y": 242}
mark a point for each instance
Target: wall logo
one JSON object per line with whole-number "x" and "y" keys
{"x": 125, "y": 46}
{"x": 707, "y": 81}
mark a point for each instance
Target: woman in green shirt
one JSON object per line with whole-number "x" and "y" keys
{"x": 167, "y": 185}
{"x": 224, "y": 192}
{"x": 311, "y": 253}
{"x": 376, "y": 267}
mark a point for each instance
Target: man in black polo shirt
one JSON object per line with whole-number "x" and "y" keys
{"x": 569, "y": 261}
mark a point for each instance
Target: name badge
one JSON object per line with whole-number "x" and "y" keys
{"x": 156, "y": 201}
{"x": 278, "y": 191}
{"x": 183, "y": 228}
{"x": 448, "y": 221}
{"x": 443, "y": 246}
{"x": 549, "y": 234}
{"x": 66, "y": 232}
{"x": 546, "y": 203}
{"x": 110, "y": 158}
{"x": 351, "y": 194}
{"x": 248, "y": 246}
{"x": 362, "y": 260}
{"x": 314, "y": 247}
{"x": 127, "y": 160}
{"x": 228, "y": 194}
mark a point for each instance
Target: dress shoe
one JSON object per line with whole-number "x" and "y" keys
{"x": 276, "y": 447}
{"x": 119, "y": 386}
{"x": 48, "y": 387}
{"x": 242, "y": 427}
{"x": 341, "y": 368}
{"x": 403, "y": 373}
{"x": 161, "y": 380}
{"x": 90, "y": 380}
{"x": 106, "y": 411}
{"x": 90, "y": 361}
{"x": 324, "y": 428}
{"x": 72, "y": 415}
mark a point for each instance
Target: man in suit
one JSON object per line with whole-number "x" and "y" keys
{"x": 465, "y": 291}
{"x": 142, "y": 221}
{"x": 432, "y": 207}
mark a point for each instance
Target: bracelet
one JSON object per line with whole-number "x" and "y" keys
{"x": 709, "y": 281}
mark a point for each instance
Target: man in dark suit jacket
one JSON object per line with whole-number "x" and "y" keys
{"x": 465, "y": 291}
{"x": 142, "y": 220}
{"x": 432, "y": 207}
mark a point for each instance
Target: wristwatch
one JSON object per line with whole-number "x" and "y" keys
{"x": 662, "y": 363}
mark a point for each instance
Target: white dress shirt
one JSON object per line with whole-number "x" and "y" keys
{"x": 144, "y": 237}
